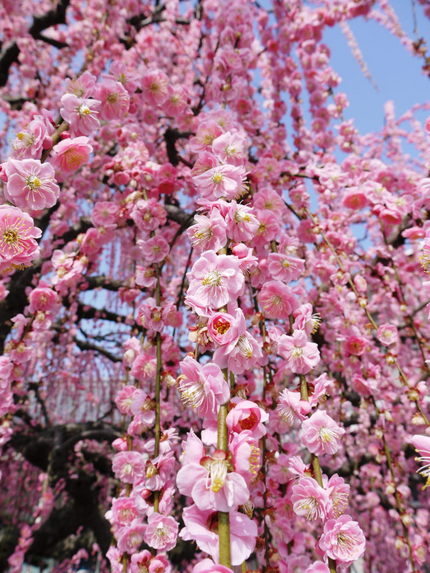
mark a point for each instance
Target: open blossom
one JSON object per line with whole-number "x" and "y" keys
{"x": 80, "y": 113}
{"x": 343, "y": 539}
{"x": 209, "y": 232}
{"x": 301, "y": 354}
{"x": 114, "y": 100}
{"x": 221, "y": 181}
{"x": 208, "y": 566}
{"x": 291, "y": 407}
{"x": 30, "y": 184}
{"x": 207, "y": 479}
{"x": 130, "y": 537}
{"x": 320, "y": 434}
{"x": 129, "y": 467}
{"x": 202, "y": 387}
{"x": 70, "y": 154}
{"x": 201, "y": 527}
{"x": 387, "y": 334}
{"x": 155, "y": 87}
{"x": 17, "y": 237}
{"x": 215, "y": 280}
{"x": 309, "y": 499}
{"x": 161, "y": 532}
{"x": 276, "y": 300}
{"x": 284, "y": 267}
{"x": 242, "y": 224}
{"x": 422, "y": 444}
{"x": 223, "y": 328}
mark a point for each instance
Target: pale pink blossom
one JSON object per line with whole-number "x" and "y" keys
{"x": 130, "y": 537}
{"x": 104, "y": 213}
{"x": 154, "y": 250}
{"x": 230, "y": 147}
{"x": 291, "y": 407}
{"x": 320, "y": 434}
{"x": 208, "y": 566}
{"x": 301, "y": 354}
{"x": 43, "y": 299}
{"x": 342, "y": 539}
{"x": 161, "y": 532}
{"x": 242, "y": 224}
{"x": 207, "y": 479}
{"x": 387, "y": 334}
{"x": 202, "y": 387}
{"x": 80, "y": 113}
{"x": 422, "y": 444}
{"x": 317, "y": 567}
{"x": 221, "y": 181}
{"x": 199, "y": 528}
{"x": 129, "y": 467}
{"x": 215, "y": 280}
{"x": 148, "y": 214}
{"x": 338, "y": 491}
{"x": 31, "y": 184}
{"x": 209, "y": 232}
{"x": 284, "y": 267}
{"x": 309, "y": 499}
{"x": 70, "y": 154}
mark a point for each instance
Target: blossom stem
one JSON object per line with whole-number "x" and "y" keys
{"x": 223, "y": 517}
{"x": 157, "y": 428}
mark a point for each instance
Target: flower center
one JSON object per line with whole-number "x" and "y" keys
{"x": 221, "y": 325}
{"x": 212, "y": 279}
{"x": 33, "y": 182}
{"x": 10, "y": 236}
{"x": 218, "y": 473}
{"x": 83, "y": 110}
{"x": 217, "y": 178}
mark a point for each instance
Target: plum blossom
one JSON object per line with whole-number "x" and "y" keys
{"x": 301, "y": 355}
{"x": 215, "y": 281}
{"x": 247, "y": 415}
{"x": 221, "y": 181}
{"x": 291, "y": 407}
{"x": 17, "y": 238}
{"x": 342, "y": 539}
{"x": 31, "y": 184}
{"x": 70, "y": 154}
{"x": 276, "y": 300}
{"x": 209, "y": 232}
{"x": 422, "y": 444}
{"x": 309, "y": 499}
{"x": 207, "y": 479}
{"x": 80, "y": 113}
{"x": 320, "y": 434}
{"x": 202, "y": 387}
{"x": 200, "y": 526}
{"x": 161, "y": 532}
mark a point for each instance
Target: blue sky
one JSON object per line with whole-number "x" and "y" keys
{"x": 396, "y": 72}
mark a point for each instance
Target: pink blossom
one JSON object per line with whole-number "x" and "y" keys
{"x": 207, "y": 479}
{"x": 29, "y": 142}
{"x": 70, "y": 154}
{"x": 222, "y": 181}
{"x": 355, "y": 345}
{"x": 291, "y": 407}
{"x": 215, "y": 280}
{"x": 128, "y": 466}
{"x": 80, "y": 113}
{"x": 284, "y": 267}
{"x": 148, "y": 215}
{"x": 242, "y": 224}
{"x": 17, "y": 237}
{"x": 209, "y": 232}
{"x": 246, "y": 415}
{"x": 276, "y": 300}
{"x": 223, "y": 328}
{"x": 301, "y": 355}
{"x": 320, "y": 434}
{"x": 104, "y": 213}
{"x": 143, "y": 407}
{"x": 309, "y": 499}
{"x": 114, "y": 100}
{"x": 200, "y": 526}
{"x": 354, "y": 198}
{"x": 161, "y": 532}
{"x": 31, "y": 184}
{"x": 202, "y": 387}
{"x": 131, "y": 536}
{"x": 342, "y": 539}
{"x": 338, "y": 491}
{"x": 154, "y": 249}
{"x": 422, "y": 444}
{"x": 43, "y": 299}
{"x": 155, "y": 87}
{"x": 230, "y": 147}
{"x": 317, "y": 567}
{"x": 387, "y": 334}
{"x": 246, "y": 455}
{"x": 208, "y": 566}
{"x": 124, "y": 511}
{"x": 305, "y": 320}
